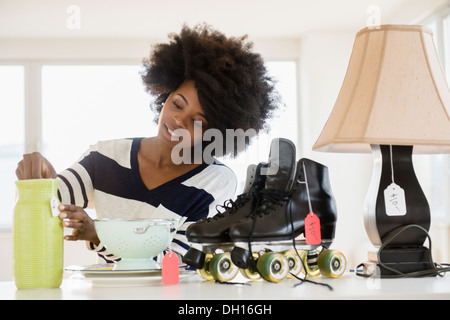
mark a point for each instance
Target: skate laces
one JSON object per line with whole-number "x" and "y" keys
{"x": 231, "y": 206}
{"x": 268, "y": 201}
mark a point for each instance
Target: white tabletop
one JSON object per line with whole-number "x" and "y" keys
{"x": 192, "y": 287}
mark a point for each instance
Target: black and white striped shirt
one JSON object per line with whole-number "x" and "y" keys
{"x": 107, "y": 179}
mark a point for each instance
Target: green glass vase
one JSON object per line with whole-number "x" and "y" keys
{"x": 38, "y": 236}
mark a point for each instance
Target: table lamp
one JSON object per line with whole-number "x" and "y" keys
{"x": 394, "y": 99}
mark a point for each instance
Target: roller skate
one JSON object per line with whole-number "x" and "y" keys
{"x": 266, "y": 243}
{"x": 210, "y": 236}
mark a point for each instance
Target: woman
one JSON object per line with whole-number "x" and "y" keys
{"x": 201, "y": 80}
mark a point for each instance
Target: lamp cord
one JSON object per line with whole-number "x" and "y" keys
{"x": 436, "y": 270}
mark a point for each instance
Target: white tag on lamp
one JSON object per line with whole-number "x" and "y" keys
{"x": 394, "y": 200}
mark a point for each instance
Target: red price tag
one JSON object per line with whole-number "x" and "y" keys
{"x": 312, "y": 229}
{"x": 170, "y": 269}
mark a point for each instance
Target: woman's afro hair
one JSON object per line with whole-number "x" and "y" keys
{"x": 234, "y": 88}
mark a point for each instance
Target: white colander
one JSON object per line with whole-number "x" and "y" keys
{"x": 136, "y": 241}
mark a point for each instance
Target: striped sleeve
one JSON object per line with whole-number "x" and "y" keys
{"x": 102, "y": 252}
{"x": 76, "y": 187}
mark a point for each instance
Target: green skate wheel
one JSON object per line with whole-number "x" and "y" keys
{"x": 332, "y": 263}
{"x": 222, "y": 268}
{"x": 204, "y": 272}
{"x": 273, "y": 267}
{"x": 310, "y": 263}
{"x": 250, "y": 272}
{"x": 294, "y": 262}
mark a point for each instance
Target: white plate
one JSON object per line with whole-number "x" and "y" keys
{"x": 104, "y": 275}
{"x": 108, "y": 270}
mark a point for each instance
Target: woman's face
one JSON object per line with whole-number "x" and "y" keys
{"x": 182, "y": 112}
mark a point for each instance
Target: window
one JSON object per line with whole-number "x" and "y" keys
{"x": 439, "y": 165}
{"x": 12, "y": 135}
{"x": 284, "y": 124}
{"x": 82, "y": 104}
{"x": 445, "y": 159}
{"x": 447, "y": 46}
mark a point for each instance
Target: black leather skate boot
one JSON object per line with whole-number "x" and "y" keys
{"x": 285, "y": 219}
{"x": 214, "y": 230}
{"x": 273, "y": 201}
{"x": 323, "y": 203}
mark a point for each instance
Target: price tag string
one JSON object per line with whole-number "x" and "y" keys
{"x": 307, "y": 187}
{"x": 394, "y": 195}
{"x": 392, "y": 163}
{"x": 312, "y": 221}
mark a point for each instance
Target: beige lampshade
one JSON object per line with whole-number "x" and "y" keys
{"x": 394, "y": 93}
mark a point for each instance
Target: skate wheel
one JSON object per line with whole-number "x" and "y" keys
{"x": 294, "y": 262}
{"x": 251, "y": 272}
{"x": 204, "y": 272}
{"x": 273, "y": 267}
{"x": 332, "y": 263}
{"x": 222, "y": 268}
{"x": 309, "y": 259}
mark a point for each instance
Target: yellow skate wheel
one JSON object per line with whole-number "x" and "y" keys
{"x": 252, "y": 273}
{"x": 273, "y": 267}
{"x": 310, "y": 263}
{"x": 332, "y": 263}
{"x": 294, "y": 261}
{"x": 204, "y": 272}
{"x": 222, "y": 268}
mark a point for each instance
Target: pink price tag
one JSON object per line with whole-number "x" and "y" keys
{"x": 170, "y": 268}
{"x": 312, "y": 229}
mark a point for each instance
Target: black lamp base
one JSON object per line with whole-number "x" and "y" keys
{"x": 379, "y": 224}
{"x": 400, "y": 237}
{"x": 403, "y": 261}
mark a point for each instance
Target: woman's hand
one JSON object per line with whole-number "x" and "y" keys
{"x": 35, "y": 166}
{"x": 79, "y": 220}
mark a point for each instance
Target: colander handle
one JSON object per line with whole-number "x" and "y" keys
{"x": 170, "y": 225}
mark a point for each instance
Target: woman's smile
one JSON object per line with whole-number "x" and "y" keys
{"x": 171, "y": 134}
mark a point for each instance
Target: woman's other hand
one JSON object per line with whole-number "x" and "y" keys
{"x": 79, "y": 220}
{"x": 35, "y": 166}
